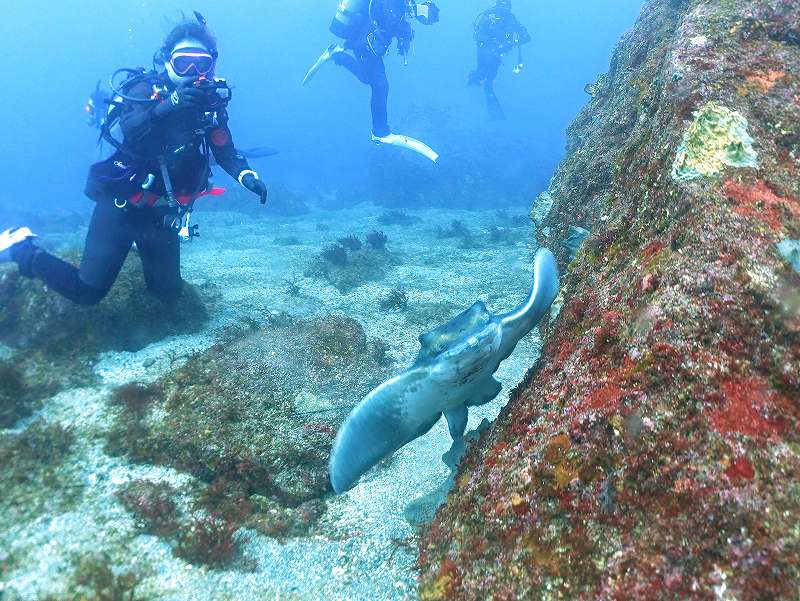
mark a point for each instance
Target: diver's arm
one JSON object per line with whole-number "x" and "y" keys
{"x": 405, "y": 36}
{"x": 231, "y": 160}
{"x": 137, "y": 117}
{"x": 483, "y": 28}
{"x": 522, "y": 35}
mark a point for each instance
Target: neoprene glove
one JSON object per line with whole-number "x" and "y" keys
{"x": 256, "y": 186}
{"x": 186, "y": 97}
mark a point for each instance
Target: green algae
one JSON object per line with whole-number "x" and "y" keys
{"x": 37, "y": 319}
{"x": 15, "y": 400}
{"x": 715, "y": 139}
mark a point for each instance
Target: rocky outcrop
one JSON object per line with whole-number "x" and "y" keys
{"x": 652, "y": 453}
{"x": 48, "y": 343}
{"x": 253, "y": 418}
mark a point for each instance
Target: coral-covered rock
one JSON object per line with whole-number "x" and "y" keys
{"x": 254, "y": 417}
{"x": 41, "y": 320}
{"x": 56, "y": 339}
{"x": 654, "y": 452}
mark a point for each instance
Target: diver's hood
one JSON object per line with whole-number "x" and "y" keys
{"x": 182, "y": 80}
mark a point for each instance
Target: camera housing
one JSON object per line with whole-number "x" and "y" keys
{"x": 217, "y": 93}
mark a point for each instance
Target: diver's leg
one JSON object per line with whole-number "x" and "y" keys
{"x": 492, "y": 67}
{"x": 160, "y": 253}
{"x": 379, "y": 103}
{"x": 107, "y": 244}
{"x": 370, "y": 70}
{"x": 352, "y": 64}
{"x": 477, "y": 76}
{"x": 496, "y": 112}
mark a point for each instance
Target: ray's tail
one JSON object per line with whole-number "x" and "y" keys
{"x": 542, "y": 294}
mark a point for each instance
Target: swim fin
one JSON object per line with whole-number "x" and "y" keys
{"x": 496, "y": 112}
{"x": 327, "y": 55}
{"x": 409, "y": 143}
{"x": 10, "y": 238}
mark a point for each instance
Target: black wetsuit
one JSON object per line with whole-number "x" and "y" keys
{"x": 369, "y": 46}
{"x": 113, "y": 230}
{"x": 496, "y": 33}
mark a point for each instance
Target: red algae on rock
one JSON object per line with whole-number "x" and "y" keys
{"x": 654, "y": 450}
{"x": 760, "y": 202}
{"x": 752, "y": 408}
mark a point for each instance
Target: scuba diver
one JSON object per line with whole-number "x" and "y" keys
{"x": 97, "y": 107}
{"x": 497, "y": 32}
{"x": 171, "y": 121}
{"x": 368, "y": 28}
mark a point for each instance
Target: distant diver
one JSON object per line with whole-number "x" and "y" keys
{"x": 172, "y": 119}
{"x": 368, "y": 28}
{"x": 453, "y": 371}
{"x": 497, "y": 32}
{"x": 97, "y": 106}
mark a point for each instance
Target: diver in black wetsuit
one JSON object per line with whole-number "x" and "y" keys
{"x": 497, "y": 32}
{"x": 171, "y": 122}
{"x": 368, "y": 28}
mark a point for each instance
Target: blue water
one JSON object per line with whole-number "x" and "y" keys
{"x": 55, "y": 51}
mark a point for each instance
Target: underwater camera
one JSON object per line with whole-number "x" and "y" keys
{"x": 217, "y": 93}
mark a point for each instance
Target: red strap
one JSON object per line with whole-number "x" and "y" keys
{"x": 185, "y": 199}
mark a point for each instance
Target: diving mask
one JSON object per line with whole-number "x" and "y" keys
{"x": 186, "y": 60}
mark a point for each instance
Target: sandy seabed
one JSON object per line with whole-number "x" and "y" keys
{"x": 365, "y": 548}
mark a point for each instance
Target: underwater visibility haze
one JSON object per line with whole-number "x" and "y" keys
{"x": 400, "y": 300}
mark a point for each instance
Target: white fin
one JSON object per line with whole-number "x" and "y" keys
{"x": 409, "y": 143}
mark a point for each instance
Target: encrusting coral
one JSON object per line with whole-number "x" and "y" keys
{"x": 715, "y": 139}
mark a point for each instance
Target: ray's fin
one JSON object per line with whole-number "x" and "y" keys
{"x": 457, "y": 421}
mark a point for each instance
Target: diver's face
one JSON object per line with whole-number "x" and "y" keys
{"x": 188, "y": 61}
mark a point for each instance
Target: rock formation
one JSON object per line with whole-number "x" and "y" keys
{"x": 653, "y": 452}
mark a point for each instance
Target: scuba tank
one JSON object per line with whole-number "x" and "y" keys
{"x": 350, "y": 17}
